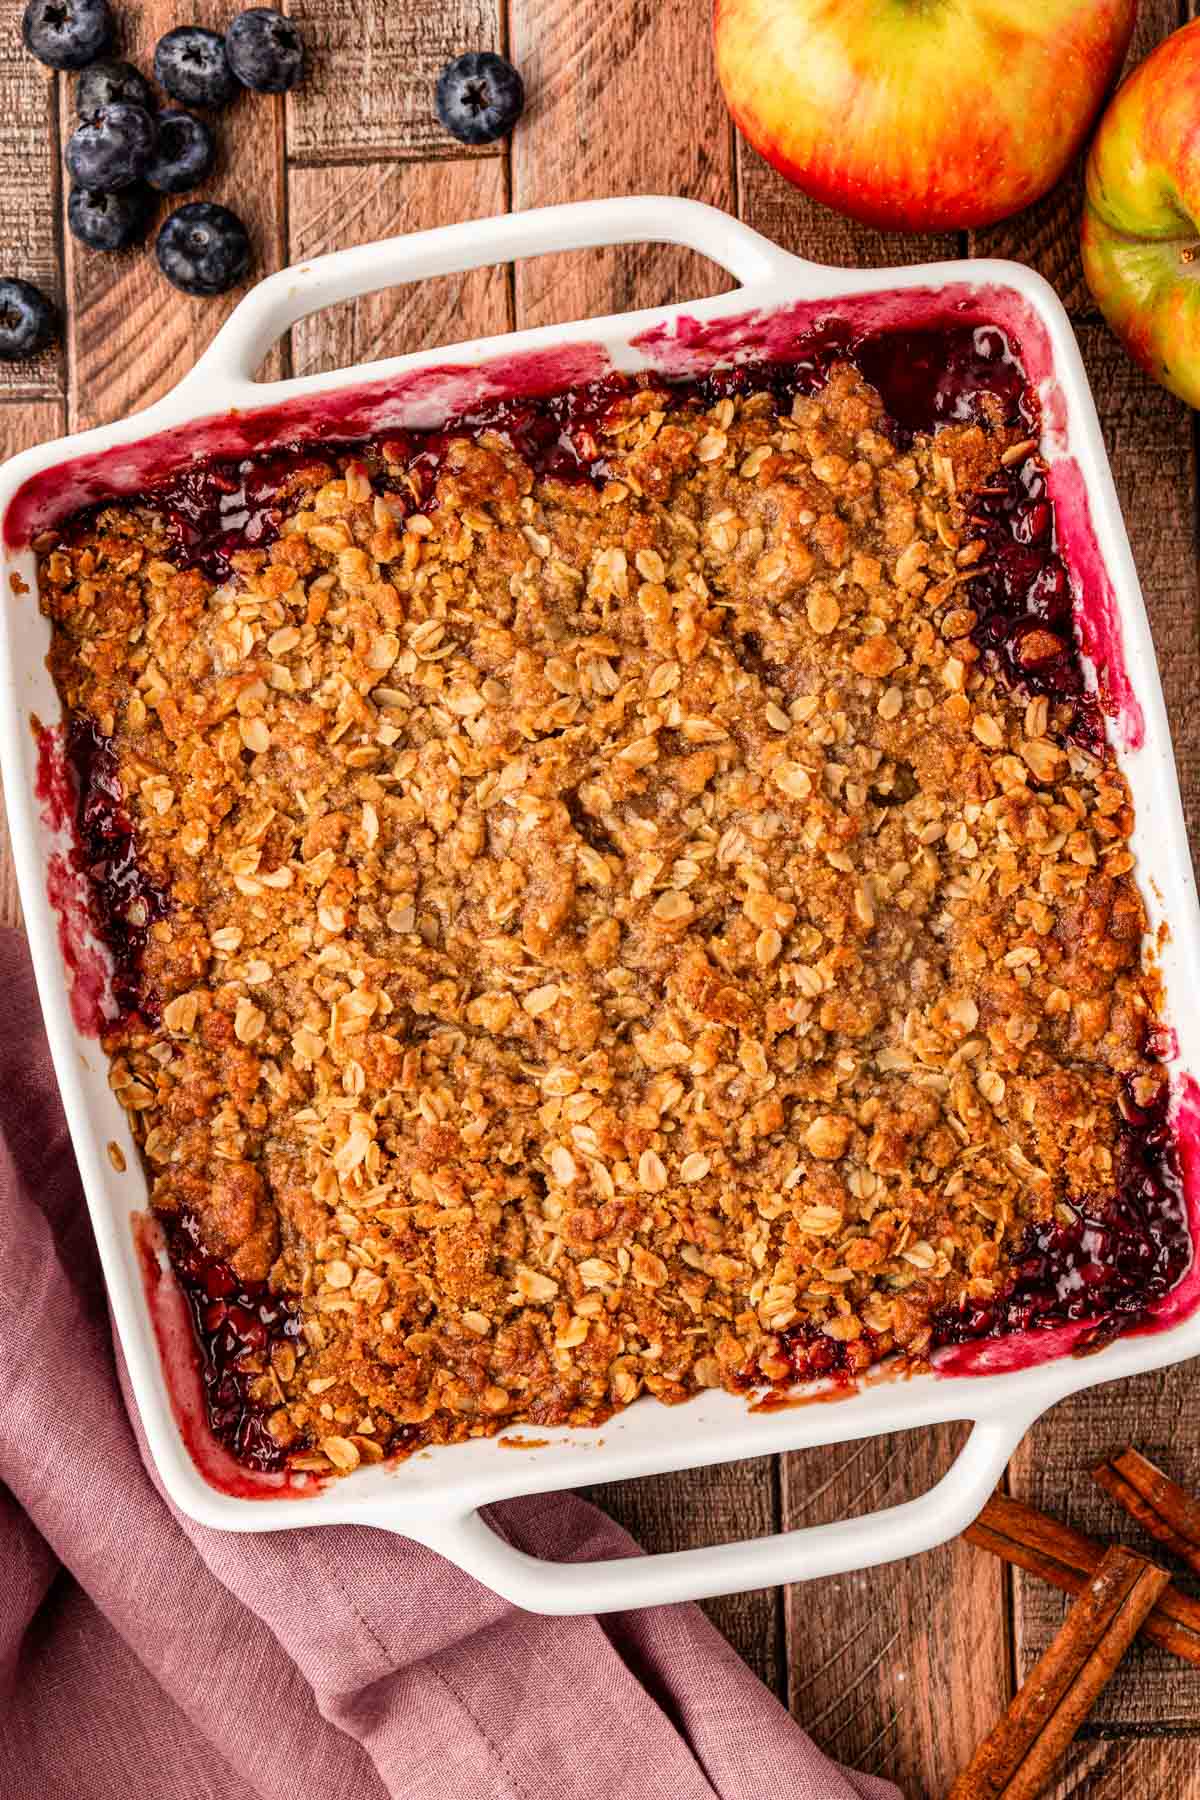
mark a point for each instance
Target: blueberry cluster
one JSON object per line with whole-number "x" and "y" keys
{"x": 125, "y": 150}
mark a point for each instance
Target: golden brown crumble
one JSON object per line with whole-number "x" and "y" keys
{"x": 609, "y": 927}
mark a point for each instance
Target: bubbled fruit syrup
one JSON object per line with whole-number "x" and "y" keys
{"x": 1022, "y": 596}
{"x": 813, "y": 1356}
{"x": 217, "y": 508}
{"x": 1020, "y": 592}
{"x": 1102, "y": 1261}
{"x": 237, "y": 1324}
{"x": 125, "y": 900}
{"x": 558, "y": 435}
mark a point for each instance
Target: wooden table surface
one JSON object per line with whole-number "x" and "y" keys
{"x": 902, "y": 1669}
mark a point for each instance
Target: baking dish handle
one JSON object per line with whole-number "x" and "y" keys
{"x": 278, "y": 302}
{"x": 800, "y": 1555}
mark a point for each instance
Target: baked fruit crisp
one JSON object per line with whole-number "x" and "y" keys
{"x": 626, "y": 894}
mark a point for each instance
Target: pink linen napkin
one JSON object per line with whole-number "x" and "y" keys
{"x": 141, "y": 1654}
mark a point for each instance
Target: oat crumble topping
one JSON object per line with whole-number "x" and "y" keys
{"x": 621, "y": 937}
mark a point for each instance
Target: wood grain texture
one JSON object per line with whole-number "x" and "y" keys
{"x": 899, "y": 1670}
{"x": 1128, "y": 1769}
{"x": 710, "y": 1506}
{"x": 1047, "y": 235}
{"x": 131, "y": 335}
{"x": 773, "y": 206}
{"x": 1151, "y": 1689}
{"x": 24, "y": 423}
{"x": 28, "y": 193}
{"x": 368, "y": 90}
{"x": 624, "y": 99}
{"x": 332, "y": 207}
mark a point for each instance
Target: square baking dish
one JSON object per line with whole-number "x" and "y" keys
{"x": 219, "y": 410}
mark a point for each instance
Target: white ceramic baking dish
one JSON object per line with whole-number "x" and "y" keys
{"x": 436, "y": 1497}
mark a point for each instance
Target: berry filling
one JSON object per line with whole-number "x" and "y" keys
{"x": 125, "y": 898}
{"x": 237, "y": 1325}
{"x": 1103, "y": 1262}
{"x": 1022, "y": 596}
{"x": 219, "y": 508}
{"x": 811, "y": 1356}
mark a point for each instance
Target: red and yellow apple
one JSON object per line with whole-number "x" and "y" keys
{"x": 925, "y": 114}
{"x": 1141, "y": 222}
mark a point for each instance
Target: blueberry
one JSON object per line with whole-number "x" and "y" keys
{"x": 191, "y": 64}
{"x": 203, "y": 248}
{"x": 106, "y": 83}
{"x": 28, "y": 321}
{"x": 113, "y": 149}
{"x": 265, "y": 51}
{"x": 479, "y": 97}
{"x": 67, "y": 34}
{"x": 109, "y": 221}
{"x": 184, "y": 154}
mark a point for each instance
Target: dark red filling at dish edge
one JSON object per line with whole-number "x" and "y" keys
{"x": 1110, "y": 1261}
{"x": 236, "y": 1324}
{"x": 1022, "y": 596}
{"x": 218, "y": 508}
{"x": 125, "y": 899}
{"x": 1105, "y": 1266}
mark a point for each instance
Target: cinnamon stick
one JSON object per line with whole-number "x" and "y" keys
{"x": 1017, "y": 1758}
{"x": 1032, "y": 1540}
{"x": 1160, "y": 1506}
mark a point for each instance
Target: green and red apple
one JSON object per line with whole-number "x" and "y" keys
{"x": 925, "y": 114}
{"x": 1141, "y": 222}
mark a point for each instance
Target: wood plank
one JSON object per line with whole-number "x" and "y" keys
{"x": 624, "y": 99}
{"x": 898, "y": 1670}
{"x": 710, "y": 1506}
{"x": 806, "y": 228}
{"x": 1128, "y": 1769}
{"x": 28, "y": 194}
{"x": 368, "y": 90}
{"x": 333, "y": 207}
{"x": 22, "y": 424}
{"x": 1047, "y": 235}
{"x": 1151, "y": 1691}
{"x": 132, "y": 335}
